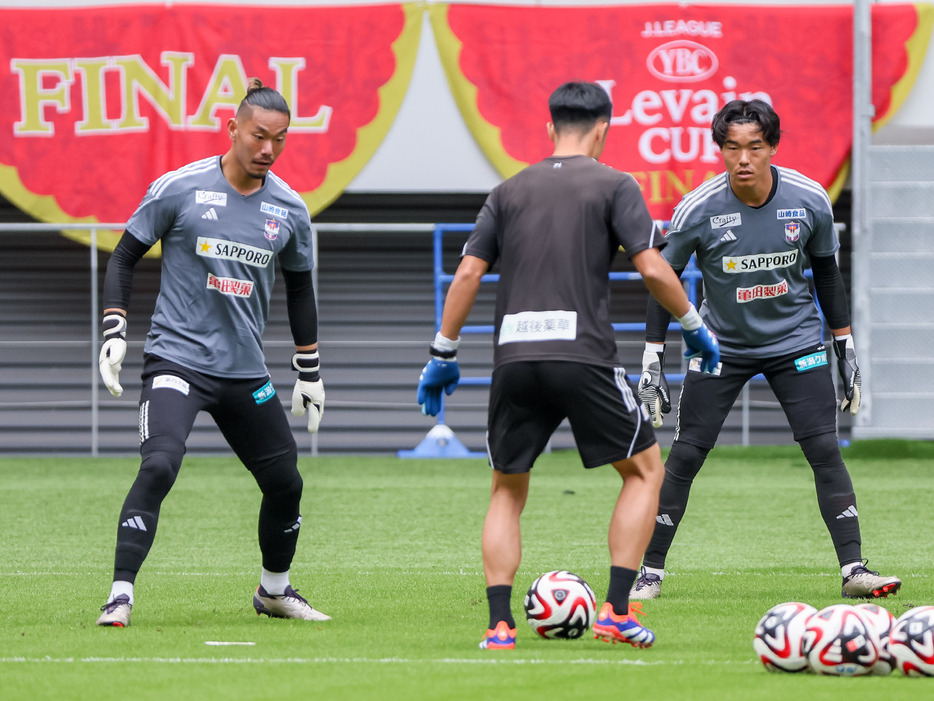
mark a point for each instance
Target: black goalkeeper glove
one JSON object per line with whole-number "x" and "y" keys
{"x": 845, "y": 350}
{"x": 653, "y": 387}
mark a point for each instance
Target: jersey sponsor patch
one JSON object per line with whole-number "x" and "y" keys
{"x": 811, "y": 361}
{"x": 274, "y": 210}
{"x": 750, "y": 294}
{"x": 525, "y": 327}
{"x": 229, "y": 250}
{"x": 695, "y": 363}
{"x": 264, "y": 393}
{"x": 792, "y": 213}
{"x": 171, "y": 382}
{"x": 759, "y": 261}
{"x": 230, "y": 286}
{"x": 723, "y": 221}
{"x": 218, "y": 199}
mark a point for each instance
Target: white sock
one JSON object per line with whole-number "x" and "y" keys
{"x": 660, "y": 573}
{"x": 120, "y": 587}
{"x": 274, "y": 582}
{"x": 848, "y": 568}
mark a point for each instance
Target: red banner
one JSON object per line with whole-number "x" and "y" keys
{"x": 101, "y": 101}
{"x": 669, "y": 69}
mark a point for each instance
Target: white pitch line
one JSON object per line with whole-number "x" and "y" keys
{"x": 221, "y": 643}
{"x": 355, "y": 660}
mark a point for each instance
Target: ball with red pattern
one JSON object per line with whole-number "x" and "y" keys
{"x": 911, "y": 642}
{"x": 779, "y": 636}
{"x": 560, "y": 604}
{"x": 840, "y": 641}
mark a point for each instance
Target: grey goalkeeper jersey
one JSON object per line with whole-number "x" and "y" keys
{"x": 753, "y": 259}
{"x": 219, "y": 251}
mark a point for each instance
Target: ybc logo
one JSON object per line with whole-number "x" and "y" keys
{"x": 682, "y": 61}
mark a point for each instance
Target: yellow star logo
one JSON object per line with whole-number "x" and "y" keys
{"x": 205, "y": 247}
{"x": 730, "y": 264}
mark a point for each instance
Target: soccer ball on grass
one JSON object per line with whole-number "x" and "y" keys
{"x": 840, "y": 641}
{"x": 779, "y": 636}
{"x": 882, "y": 621}
{"x": 911, "y": 642}
{"x": 560, "y": 604}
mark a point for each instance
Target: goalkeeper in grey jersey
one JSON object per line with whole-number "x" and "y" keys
{"x": 223, "y": 222}
{"x": 754, "y": 230}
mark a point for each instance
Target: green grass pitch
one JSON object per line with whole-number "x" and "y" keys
{"x": 390, "y": 549}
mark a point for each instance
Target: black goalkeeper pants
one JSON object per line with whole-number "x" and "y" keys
{"x": 251, "y": 418}
{"x": 803, "y": 384}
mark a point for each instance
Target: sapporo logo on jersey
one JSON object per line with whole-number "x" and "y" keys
{"x": 759, "y": 261}
{"x": 228, "y": 250}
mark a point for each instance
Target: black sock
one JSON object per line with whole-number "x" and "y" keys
{"x": 499, "y": 598}
{"x": 621, "y": 581}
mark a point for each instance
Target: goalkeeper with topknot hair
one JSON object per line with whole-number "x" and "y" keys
{"x": 223, "y": 222}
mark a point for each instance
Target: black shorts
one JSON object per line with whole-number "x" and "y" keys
{"x": 802, "y": 383}
{"x": 528, "y": 400}
{"x": 247, "y": 411}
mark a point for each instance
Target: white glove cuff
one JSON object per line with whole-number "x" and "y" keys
{"x": 654, "y": 347}
{"x": 692, "y": 320}
{"x": 444, "y": 344}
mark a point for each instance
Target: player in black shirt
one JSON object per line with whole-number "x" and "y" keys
{"x": 554, "y": 229}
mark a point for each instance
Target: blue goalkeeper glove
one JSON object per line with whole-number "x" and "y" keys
{"x": 700, "y": 341}
{"x": 845, "y": 350}
{"x": 441, "y": 372}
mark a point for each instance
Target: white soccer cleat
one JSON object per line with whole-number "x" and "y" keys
{"x": 116, "y": 613}
{"x": 288, "y": 605}
{"x": 647, "y": 586}
{"x": 863, "y": 583}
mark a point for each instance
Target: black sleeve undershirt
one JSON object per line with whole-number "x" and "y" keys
{"x": 118, "y": 280}
{"x": 657, "y": 319}
{"x": 301, "y": 307}
{"x": 831, "y": 292}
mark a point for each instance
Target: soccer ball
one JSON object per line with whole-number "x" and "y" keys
{"x": 841, "y": 642}
{"x": 882, "y": 621}
{"x": 911, "y": 642}
{"x": 779, "y": 635}
{"x": 560, "y": 604}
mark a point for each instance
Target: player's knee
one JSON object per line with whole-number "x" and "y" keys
{"x": 161, "y": 461}
{"x": 822, "y": 451}
{"x": 278, "y": 475}
{"x": 684, "y": 462}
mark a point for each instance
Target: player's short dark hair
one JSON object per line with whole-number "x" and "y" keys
{"x": 756, "y": 112}
{"x": 579, "y": 105}
{"x": 258, "y": 95}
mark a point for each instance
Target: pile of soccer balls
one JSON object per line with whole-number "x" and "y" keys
{"x": 560, "y": 604}
{"x": 846, "y": 641}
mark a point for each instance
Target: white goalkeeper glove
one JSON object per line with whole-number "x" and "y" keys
{"x": 308, "y": 394}
{"x": 845, "y": 350}
{"x": 653, "y": 387}
{"x": 113, "y": 351}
